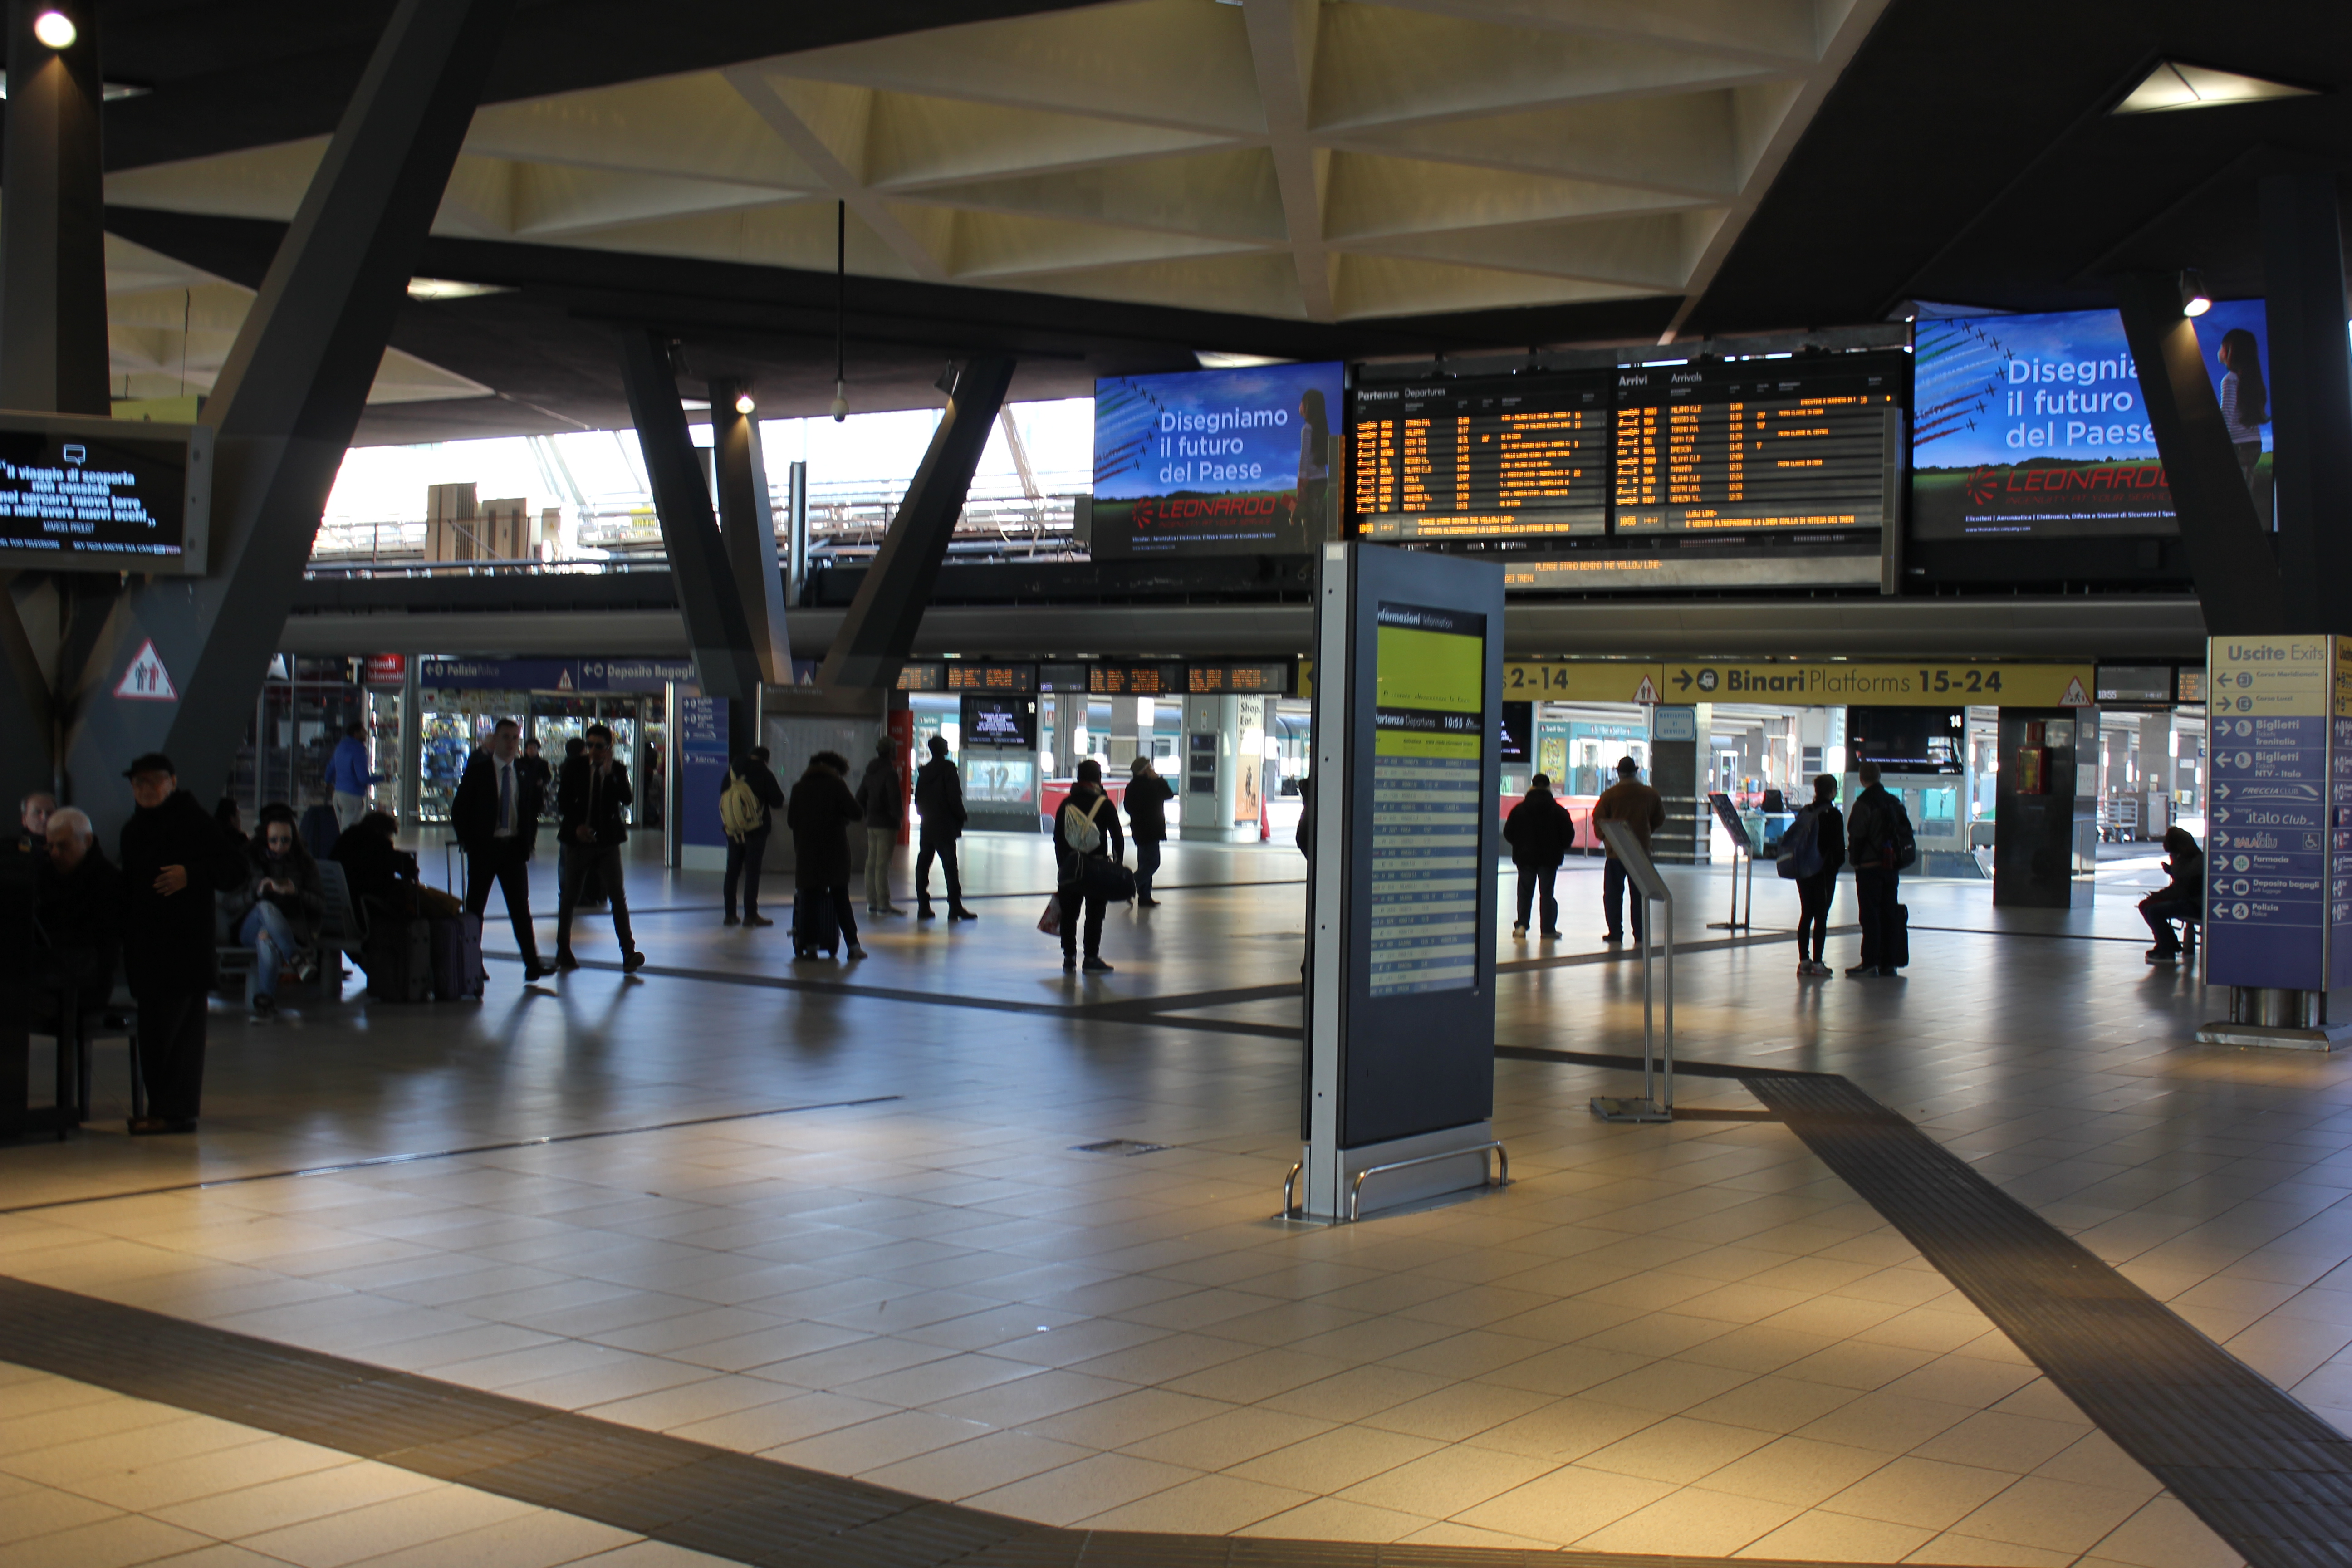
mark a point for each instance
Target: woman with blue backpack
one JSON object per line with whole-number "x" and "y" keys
{"x": 1813, "y": 851}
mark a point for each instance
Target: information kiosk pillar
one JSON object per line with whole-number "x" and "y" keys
{"x": 2278, "y": 863}
{"x": 1398, "y": 1082}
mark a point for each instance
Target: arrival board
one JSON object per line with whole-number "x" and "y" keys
{"x": 1752, "y": 445}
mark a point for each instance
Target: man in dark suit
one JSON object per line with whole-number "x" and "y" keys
{"x": 591, "y": 798}
{"x": 495, "y": 804}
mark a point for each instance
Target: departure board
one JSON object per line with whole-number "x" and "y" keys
{"x": 1496, "y": 458}
{"x": 1754, "y": 444}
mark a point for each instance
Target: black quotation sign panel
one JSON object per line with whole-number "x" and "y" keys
{"x": 1509, "y": 458}
{"x": 119, "y": 500}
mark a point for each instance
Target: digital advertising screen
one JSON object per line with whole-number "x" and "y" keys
{"x": 1777, "y": 443}
{"x": 1215, "y": 462}
{"x": 1000, "y": 722}
{"x": 1523, "y": 457}
{"x": 88, "y": 494}
{"x": 2033, "y": 427}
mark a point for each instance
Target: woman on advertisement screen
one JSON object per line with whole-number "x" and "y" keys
{"x": 1306, "y": 508}
{"x": 2245, "y": 400}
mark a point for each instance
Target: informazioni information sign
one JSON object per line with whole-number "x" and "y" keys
{"x": 2278, "y": 871}
{"x": 1401, "y": 1000}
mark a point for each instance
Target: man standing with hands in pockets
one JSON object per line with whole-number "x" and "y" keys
{"x": 593, "y": 795}
{"x": 174, "y": 858}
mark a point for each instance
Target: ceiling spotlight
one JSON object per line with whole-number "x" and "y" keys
{"x": 55, "y": 29}
{"x": 840, "y": 401}
{"x": 2194, "y": 300}
{"x": 743, "y": 404}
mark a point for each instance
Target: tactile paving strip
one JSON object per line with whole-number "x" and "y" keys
{"x": 2271, "y": 1477}
{"x": 731, "y": 1505}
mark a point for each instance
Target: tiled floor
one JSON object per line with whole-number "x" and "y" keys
{"x": 1689, "y": 1340}
{"x": 89, "y": 1478}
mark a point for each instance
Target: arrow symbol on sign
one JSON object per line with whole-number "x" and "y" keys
{"x": 1683, "y": 679}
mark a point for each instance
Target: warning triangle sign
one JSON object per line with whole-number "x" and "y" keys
{"x": 2076, "y": 695}
{"x": 1645, "y": 692}
{"x": 147, "y": 681}
{"x": 563, "y": 679}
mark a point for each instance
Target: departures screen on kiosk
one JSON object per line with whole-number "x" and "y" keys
{"x": 2035, "y": 428}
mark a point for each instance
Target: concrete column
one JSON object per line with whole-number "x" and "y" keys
{"x": 1122, "y": 733}
{"x": 2156, "y": 774}
{"x": 1208, "y": 751}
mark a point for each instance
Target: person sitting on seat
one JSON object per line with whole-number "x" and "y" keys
{"x": 78, "y": 903}
{"x": 376, "y": 867}
{"x": 33, "y": 820}
{"x": 2182, "y": 899}
{"x": 276, "y": 913}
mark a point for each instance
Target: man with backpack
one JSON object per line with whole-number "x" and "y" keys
{"x": 1085, "y": 832}
{"x": 1540, "y": 834}
{"x": 1812, "y": 849}
{"x": 746, "y": 799}
{"x": 1879, "y": 843}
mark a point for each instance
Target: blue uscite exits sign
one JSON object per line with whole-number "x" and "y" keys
{"x": 2267, "y": 872}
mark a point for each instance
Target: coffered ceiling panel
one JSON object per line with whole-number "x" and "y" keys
{"x": 1317, "y": 159}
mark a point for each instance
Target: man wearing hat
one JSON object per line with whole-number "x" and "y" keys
{"x": 1641, "y": 808}
{"x": 175, "y": 857}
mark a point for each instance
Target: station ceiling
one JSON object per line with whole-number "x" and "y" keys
{"x": 1107, "y": 188}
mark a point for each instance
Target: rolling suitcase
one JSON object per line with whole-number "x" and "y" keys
{"x": 814, "y": 929}
{"x": 398, "y": 958}
{"x": 1898, "y": 938}
{"x": 457, "y": 971}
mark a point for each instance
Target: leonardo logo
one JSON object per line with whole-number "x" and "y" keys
{"x": 1982, "y": 485}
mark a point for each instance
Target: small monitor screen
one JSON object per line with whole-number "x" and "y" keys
{"x": 2034, "y": 427}
{"x": 1906, "y": 739}
{"x": 1000, "y": 722}
{"x": 1215, "y": 462}
{"x": 1519, "y": 725}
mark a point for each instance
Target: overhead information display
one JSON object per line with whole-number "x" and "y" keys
{"x": 1504, "y": 458}
{"x": 92, "y": 494}
{"x": 1753, "y": 445}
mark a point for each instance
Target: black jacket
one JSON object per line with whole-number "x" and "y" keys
{"x": 765, "y": 789}
{"x": 582, "y": 799}
{"x": 168, "y": 937}
{"x": 880, "y": 795}
{"x": 1112, "y": 848}
{"x": 821, "y": 811}
{"x": 80, "y": 911}
{"x": 474, "y": 811}
{"x": 375, "y": 868}
{"x": 938, "y": 795}
{"x": 1829, "y": 833}
{"x": 1872, "y": 832}
{"x": 1540, "y": 831}
{"x": 303, "y": 906}
{"x": 1148, "y": 796}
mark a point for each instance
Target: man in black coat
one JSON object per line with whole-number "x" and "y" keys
{"x": 174, "y": 858}
{"x": 1148, "y": 796}
{"x": 819, "y": 815}
{"x": 746, "y": 854}
{"x": 495, "y": 804}
{"x": 591, "y": 798}
{"x": 939, "y": 800}
{"x": 1540, "y": 834}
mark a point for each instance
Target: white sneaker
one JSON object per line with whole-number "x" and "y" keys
{"x": 1518, "y": 933}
